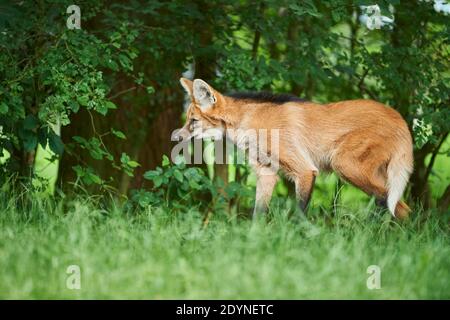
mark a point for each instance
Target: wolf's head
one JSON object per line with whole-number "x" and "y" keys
{"x": 203, "y": 117}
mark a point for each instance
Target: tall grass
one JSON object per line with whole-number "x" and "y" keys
{"x": 161, "y": 254}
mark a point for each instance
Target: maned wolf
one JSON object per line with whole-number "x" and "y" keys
{"x": 363, "y": 141}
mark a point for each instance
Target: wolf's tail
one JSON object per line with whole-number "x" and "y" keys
{"x": 399, "y": 169}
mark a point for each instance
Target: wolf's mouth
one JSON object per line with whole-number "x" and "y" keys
{"x": 181, "y": 135}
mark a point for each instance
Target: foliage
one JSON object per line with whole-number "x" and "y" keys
{"x": 176, "y": 186}
{"x": 118, "y": 75}
{"x": 104, "y": 100}
{"x": 48, "y": 73}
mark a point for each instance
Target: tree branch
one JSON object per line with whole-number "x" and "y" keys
{"x": 362, "y": 87}
{"x": 257, "y": 36}
{"x": 122, "y": 92}
{"x": 433, "y": 156}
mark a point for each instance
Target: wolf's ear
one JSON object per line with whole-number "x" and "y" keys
{"x": 204, "y": 94}
{"x": 187, "y": 86}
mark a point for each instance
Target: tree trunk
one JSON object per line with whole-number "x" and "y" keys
{"x": 419, "y": 183}
{"x": 444, "y": 200}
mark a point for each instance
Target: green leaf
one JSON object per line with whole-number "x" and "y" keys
{"x": 119, "y": 134}
{"x": 93, "y": 178}
{"x": 178, "y": 175}
{"x": 96, "y": 153}
{"x": 125, "y": 62}
{"x": 194, "y": 185}
{"x": 150, "y": 90}
{"x": 165, "y": 161}
{"x": 157, "y": 181}
{"x": 79, "y": 171}
{"x": 151, "y": 174}
{"x": 124, "y": 158}
{"x": 110, "y": 105}
{"x": 74, "y": 106}
{"x": 83, "y": 100}
{"x": 133, "y": 164}
{"x": 3, "y": 108}
{"x": 112, "y": 65}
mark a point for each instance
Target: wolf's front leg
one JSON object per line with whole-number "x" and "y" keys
{"x": 304, "y": 184}
{"x": 266, "y": 180}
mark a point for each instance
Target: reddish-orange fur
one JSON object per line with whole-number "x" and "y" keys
{"x": 363, "y": 141}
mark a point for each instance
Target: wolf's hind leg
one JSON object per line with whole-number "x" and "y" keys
{"x": 381, "y": 202}
{"x": 364, "y": 167}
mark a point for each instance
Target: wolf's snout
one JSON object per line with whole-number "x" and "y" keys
{"x": 180, "y": 135}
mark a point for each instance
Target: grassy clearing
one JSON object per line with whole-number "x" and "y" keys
{"x": 155, "y": 254}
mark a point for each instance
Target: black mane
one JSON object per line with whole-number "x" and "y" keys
{"x": 266, "y": 97}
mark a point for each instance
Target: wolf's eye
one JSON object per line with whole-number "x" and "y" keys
{"x": 193, "y": 120}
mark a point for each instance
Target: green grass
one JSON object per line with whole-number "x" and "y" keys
{"x": 159, "y": 255}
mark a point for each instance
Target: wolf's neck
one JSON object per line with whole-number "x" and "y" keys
{"x": 236, "y": 113}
